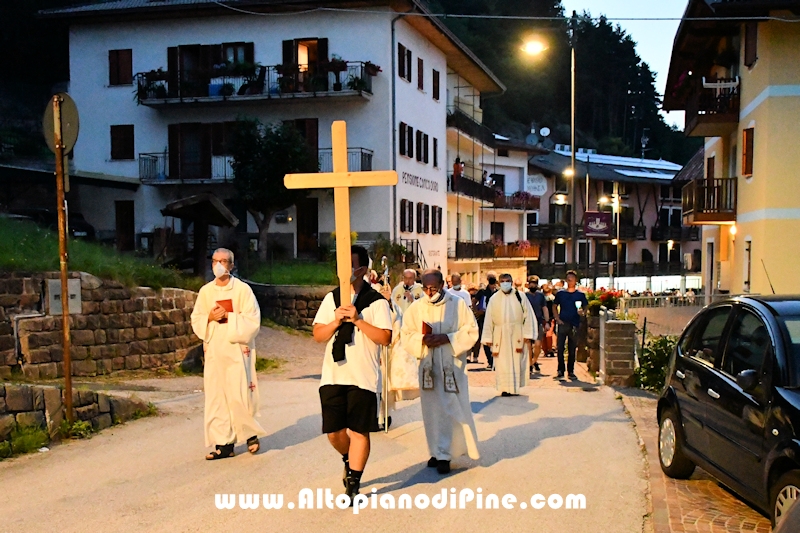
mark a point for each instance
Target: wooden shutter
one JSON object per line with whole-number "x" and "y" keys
{"x": 322, "y": 50}
{"x": 249, "y": 53}
{"x": 420, "y": 74}
{"x": 125, "y": 60}
{"x": 747, "y": 152}
{"x": 173, "y": 72}
{"x": 174, "y": 154}
{"x": 289, "y": 53}
{"x": 309, "y": 129}
{"x": 419, "y": 145}
{"x": 113, "y": 68}
{"x": 425, "y": 142}
{"x": 403, "y": 136}
{"x": 122, "y": 142}
{"x": 410, "y": 141}
{"x": 435, "y": 84}
{"x": 401, "y": 60}
{"x": 403, "y": 215}
{"x": 408, "y": 65}
{"x": 205, "y": 151}
{"x": 420, "y": 218}
{"x": 750, "y": 43}
{"x": 217, "y": 138}
{"x": 436, "y": 152}
{"x": 427, "y": 211}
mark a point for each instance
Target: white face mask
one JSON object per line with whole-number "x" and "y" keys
{"x": 219, "y": 270}
{"x": 353, "y": 276}
{"x": 456, "y": 287}
{"x": 505, "y": 286}
{"x": 435, "y": 298}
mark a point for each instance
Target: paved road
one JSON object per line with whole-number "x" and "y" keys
{"x": 150, "y": 475}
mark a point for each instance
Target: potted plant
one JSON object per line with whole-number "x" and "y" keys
{"x": 371, "y": 68}
{"x": 337, "y": 65}
{"x": 355, "y": 83}
{"x": 227, "y": 89}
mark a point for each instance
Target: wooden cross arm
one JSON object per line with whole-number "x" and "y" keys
{"x": 329, "y": 180}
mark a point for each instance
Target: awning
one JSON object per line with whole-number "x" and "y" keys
{"x": 202, "y": 206}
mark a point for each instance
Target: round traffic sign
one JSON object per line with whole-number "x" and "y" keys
{"x": 69, "y": 123}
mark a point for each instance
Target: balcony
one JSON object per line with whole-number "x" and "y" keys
{"x": 713, "y": 109}
{"x": 628, "y": 232}
{"x": 236, "y": 84}
{"x": 672, "y": 233}
{"x": 632, "y": 232}
{"x": 461, "y": 121}
{"x": 518, "y": 201}
{"x": 358, "y": 160}
{"x": 470, "y": 250}
{"x": 603, "y": 269}
{"x": 524, "y": 250}
{"x": 154, "y": 169}
{"x": 709, "y": 201}
{"x": 470, "y": 187}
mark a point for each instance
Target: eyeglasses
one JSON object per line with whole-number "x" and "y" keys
{"x": 223, "y": 261}
{"x": 430, "y": 290}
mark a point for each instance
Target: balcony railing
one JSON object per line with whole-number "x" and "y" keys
{"x": 470, "y": 250}
{"x": 517, "y": 201}
{"x": 530, "y": 251}
{"x": 713, "y": 109}
{"x": 709, "y": 201}
{"x": 358, "y": 160}
{"x": 463, "y": 122}
{"x": 471, "y": 188}
{"x": 604, "y": 269}
{"x": 628, "y": 232}
{"x": 234, "y": 83}
{"x": 154, "y": 168}
{"x": 632, "y": 232}
{"x": 672, "y": 233}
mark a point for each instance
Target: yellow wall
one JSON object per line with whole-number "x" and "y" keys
{"x": 768, "y": 210}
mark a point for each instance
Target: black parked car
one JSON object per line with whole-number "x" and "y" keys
{"x": 732, "y": 400}
{"x": 48, "y": 218}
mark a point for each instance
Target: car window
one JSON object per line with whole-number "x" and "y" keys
{"x": 748, "y": 344}
{"x": 791, "y": 327}
{"x": 706, "y": 341}
{"x": 685, "y": 344}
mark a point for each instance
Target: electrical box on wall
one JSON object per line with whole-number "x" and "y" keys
{"x": 54, "y": 296}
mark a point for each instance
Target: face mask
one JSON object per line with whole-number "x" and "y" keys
{"x": 435, "y": 298}
{"x": 353, "y": 276}
{"x": 505, "y": 286}
{"x": 456, "y": 287}
{"x": 219, "y": 270}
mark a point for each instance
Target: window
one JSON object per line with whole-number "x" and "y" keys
{"x": 426, "y": 212}
{"x": 562, "y": 183}
{"x": 406, "y": 215}
{"x": 122, "y": 142}
{"x": 498, "y": 230}
{"x": 234, "y": 52}
{"x": 750, "y": 44}
{"x": 583, "y": 252}
{"x": 420, "y": 150}
{"x": 120, "y": 67}
{"x": 499, "y": 181}
{"x": 748, "y": 257}
{"x": 709, "y": 336}
{"x": 560, "y": 253}
{"x": 748, "y": 346}
{"x": 435, "y": 152}
{"x": 220, "y": 136}
{"x": 560, "y": 214}
{"x": 403, "y": 62}
{"x": 533, "y": 219}
{"x": 606, "y": 253}
{"x": 424, "y": 148}
{"x": 747, "y": 152}
{"x": 435, "y": 84}
{"x": 436, "y": 227}
{"x": 669, "y": 255}
{"x": 406, "y": 140}
{"x": 710, "y": 168}
{"x": 502, "y": 152}
{"x": 420, "y": 74}
{"x": 469, "y": 226}
{"x": 420, "y": 217}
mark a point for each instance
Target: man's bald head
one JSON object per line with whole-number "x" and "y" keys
{"x": 456, "y": 277}
{"x": 432, "y": 274}
{"x": 409, "y": 277}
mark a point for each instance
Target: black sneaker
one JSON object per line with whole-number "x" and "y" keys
{"x": 560, "y": 375}
{"x": 530, "y": 369}
{"x": 432, "y": 462}
{"x": 572, "y": 376}
{"x": 536, "y": 367}
{"x": 351, "y": 488}
{"x": 443, "y": 467}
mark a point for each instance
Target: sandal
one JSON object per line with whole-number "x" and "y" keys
{"x": 253, "y": 441}
{"x": 222, "y": 452}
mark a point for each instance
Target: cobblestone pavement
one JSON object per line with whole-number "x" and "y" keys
{"x": 699, "y": 504}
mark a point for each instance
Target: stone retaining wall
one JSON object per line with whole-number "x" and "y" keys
{"x": 618, "y": 354}
{"x": 118, "y": 328}
{"x": 291, "y": 306}
{"x": 26, "y": 405}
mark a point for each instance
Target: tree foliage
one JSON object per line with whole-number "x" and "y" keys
{"x": 615, "y": 90}
{"x": 262, "y": 156}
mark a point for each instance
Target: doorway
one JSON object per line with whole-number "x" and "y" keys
{"x": 308, "y": 228}
{"x": 125, "y": 225}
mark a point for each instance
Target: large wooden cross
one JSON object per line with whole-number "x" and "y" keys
{"x": 341, "y": 180}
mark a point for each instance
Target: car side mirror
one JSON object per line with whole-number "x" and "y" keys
{"x": 747, "y": 379}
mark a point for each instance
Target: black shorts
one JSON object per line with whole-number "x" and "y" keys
{"x": 348, "y": 407}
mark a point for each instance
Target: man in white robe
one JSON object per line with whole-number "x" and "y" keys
{"x": 406, "y": 292}
{"x": 509, "y": 323}
{"x": 227, "y": 319}
{"x": 440, "y": 330}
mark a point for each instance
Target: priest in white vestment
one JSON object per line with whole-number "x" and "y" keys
{"x": 227, "y": 319}
{"x": 406, "y": 292}
{"x": 440, "y": 330}
{"x": 509, "y": 323}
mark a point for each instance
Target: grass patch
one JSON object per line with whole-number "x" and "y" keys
{"x": 269, "y": 323}
{"x": 26, "y": 247}
{"x": 79, "y": 429}
{"x": 28, "y": 439}
{"x": 150, "y": 410}
{"x": 267, "y": 365}
{"x": 295, "y": 273}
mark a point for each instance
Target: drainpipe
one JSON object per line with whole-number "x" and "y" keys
{"x": 394, "y": 125}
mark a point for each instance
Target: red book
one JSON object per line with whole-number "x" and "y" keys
{"x": 427, "y": 329}
{"x": 228, "y": 306}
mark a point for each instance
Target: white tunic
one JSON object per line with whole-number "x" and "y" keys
{"x": 447, "y": 416}
{"x": 508, "y": 322}
{"x": 463, "y": 294}
{"x": 401, "y": 300}
{"x": 229, "y": 378}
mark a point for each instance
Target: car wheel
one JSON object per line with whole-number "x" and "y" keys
{"x": 674, "y": 462}
{"x": 785, "y": 492}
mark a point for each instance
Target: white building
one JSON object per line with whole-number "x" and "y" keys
{"x": 166, "y": 128}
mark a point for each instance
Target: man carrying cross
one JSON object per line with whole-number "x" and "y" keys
{"x": 353, "y": 326}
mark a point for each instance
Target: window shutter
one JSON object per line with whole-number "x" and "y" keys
{"x": 409, "y": 216}
{"x": 709, "y": 169}
{"x": 205, "y": 151}
{"x": 420, "y": 74}
{"x": 419, "y": 145}
{"x": 289, "y": 53}
{"x": 750, "y": 43}
{"x": 435, "y": 84}
{"x": 408, "y": 65}
{"x": 322, "y": 50}
{"x": 113, "y": 68}
{"x": 217, "y": 138}
{"x": 403, "y": 135}
{"x": 436, "y": 152}
{"x": 403, "y": 214}
{"x": 747, "y": 152}
{"x": 401, "y": 60}
{"x": 173, "y": 73}
{"x": 125, "y": 58}
{"x": 174, "y": 154}
{"x": 425, "y": 142}
{"x": 122, "y": 142}
{"x": 427, "y": 211}
{"x": 420, "y": 218}
{"x": 410, "y": 142}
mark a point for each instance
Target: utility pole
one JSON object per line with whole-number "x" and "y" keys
{"x": 573, "y": 28}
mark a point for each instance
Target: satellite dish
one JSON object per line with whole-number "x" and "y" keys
{"x": 532, "y": 139}
{"x": 544, "y": 131}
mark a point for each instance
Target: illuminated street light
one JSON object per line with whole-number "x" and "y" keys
{"x": 569, "y": 172}
{"x": 561, "y": 199}
{"x": 604, "y": 200}
{"x": 614, "y": 242}
{"x": 733, "y": 230}
{"x": 560, "y": 241}
{"x": 534, "y": 48}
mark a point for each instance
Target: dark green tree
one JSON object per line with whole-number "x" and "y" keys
{"x": 262, "y": 156}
